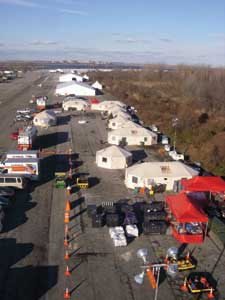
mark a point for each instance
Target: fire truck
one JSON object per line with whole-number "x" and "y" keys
{"x": 27, "y": 137}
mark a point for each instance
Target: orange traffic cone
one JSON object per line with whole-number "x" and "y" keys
{"x": 67, "y": 217}
{"x": 210, "y": 294}
{"x": 184, "y": 287}
{"x": 67, "y": 208}
{"x": 66, "y": 242}
{"x": 187, "y": 257}
{"x": 66, "y": 229}
{"x": 66, "y": 256}
{"x": 67, "y": 294}
{"x": 68, "y": 191}
{"x": 67, "y": 272}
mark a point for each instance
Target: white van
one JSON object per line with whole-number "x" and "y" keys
{"x": 22, "y": 154}
{"x": 27, "y": 166}
{"x": 13, "y": 180}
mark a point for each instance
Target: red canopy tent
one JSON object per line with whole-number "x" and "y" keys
{"x": 183, "y": 211}
{"x": 212, "y": 184}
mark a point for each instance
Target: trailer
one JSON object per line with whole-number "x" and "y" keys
{"x": 27, "y": 137}
{"x": 41, "y": 102}
{"x": 27, "y": 166}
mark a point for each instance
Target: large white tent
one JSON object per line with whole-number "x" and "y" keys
{"x": 150, "y": 173}
{"x": 74, "y": 88}
{"x": 75, "y": 104}
{"x": 121, "y": 122}
{"x": 97, "y": 85}
{"x": 45, "y": 118}
{"x": 132, "y": 136}
{"x": 70, "y": 77}
{"x": 113, "y": 157}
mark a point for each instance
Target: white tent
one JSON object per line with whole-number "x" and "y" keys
{"x": 132, "y": 136}
{"x": 86, "y": 77}
{"x": 106, "y": 105}
{"x": 74, "y": 88}
{"x": 75, "y": 104}
{"x": 45, "y": 118}
{"x": 70, "y": 77}
{"x": 113, "y": 157}
{"x": 120, "y": 122}
{"x": 97, "y": 85}
{"x": 150, "y": 173}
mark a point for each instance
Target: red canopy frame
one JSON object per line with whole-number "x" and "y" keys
{"x": 185, "y": 212}
{"x": 211, "y": 184}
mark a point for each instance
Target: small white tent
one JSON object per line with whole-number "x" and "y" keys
{"x": 45, "y": 118}
{"x": 74, "y": 88}
{"x": 76, "y": 104}
{"x": 70, "y": 77}
{"x": 97, "y": 85}
{"x": 150, "y": 173}
{"x": 132, "y": 136}
{"x": 113, "y": 157}
{"x": 86, "y": 77}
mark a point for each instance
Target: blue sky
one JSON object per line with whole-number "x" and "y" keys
{"x": 144, "y": 31}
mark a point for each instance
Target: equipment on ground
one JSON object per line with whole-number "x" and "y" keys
{"x": 200, "y": 282}
{"x": 60, "y": 180}
{"x": 82, "y": 182}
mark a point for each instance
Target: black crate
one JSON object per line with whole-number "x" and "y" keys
{"x": 154, "y": 216}
{"x": 113, "y": 220}
{"x": 97, "y": 220}
{"x": 154, "y": 227}
{"x": 91, "y": 210}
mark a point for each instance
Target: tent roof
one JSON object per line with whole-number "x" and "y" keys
{"x": 204, "y": 183}
{"x": 137, "y": 131}
{"x": 184, "y": 210}
{"x": 46, "y": 114}
{"x": 74, "y": 83}
{"x": 161, "y": 169}
{"x": 114, "y": 151}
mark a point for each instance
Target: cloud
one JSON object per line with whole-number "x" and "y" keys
{"x": 24, "y": 3}
{"x": 166, "y": 40}
{"x": 132, "y": 41}
{"x": 72, "y": 11}
{"x": 44, "y": 43}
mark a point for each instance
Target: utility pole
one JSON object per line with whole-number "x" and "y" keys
{"x": 175, "y": 121}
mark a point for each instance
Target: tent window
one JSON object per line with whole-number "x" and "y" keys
{"x": 104, "y": 159}
{"x": 145, "y": 139}
{"x": 113, "y": 138}
{"x": 113, "y": 124}
{"x": 165, "y": 178}
{"x": 134, "y": 179}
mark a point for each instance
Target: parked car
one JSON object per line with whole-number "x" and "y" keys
{"x": 7, "y": 192}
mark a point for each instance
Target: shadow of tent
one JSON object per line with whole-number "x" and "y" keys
{"x": 17, "y": 215}
{"x": 138, "y": 155}
{"x": 29, "y": 282}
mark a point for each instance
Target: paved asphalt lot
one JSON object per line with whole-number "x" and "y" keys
{"x": 32, "y": 261}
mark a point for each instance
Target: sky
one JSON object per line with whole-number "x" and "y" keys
{"x": 129, "y": 31}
